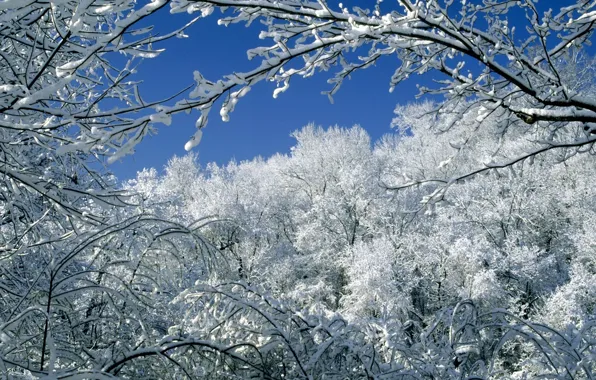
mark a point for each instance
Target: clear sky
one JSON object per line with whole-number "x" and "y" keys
{"x": 260, "y": 125}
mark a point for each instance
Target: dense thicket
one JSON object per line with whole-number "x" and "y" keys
{"x": 320, "y": 230}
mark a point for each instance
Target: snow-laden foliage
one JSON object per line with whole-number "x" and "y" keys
{"x": 459, "y": 247}
{"x": 514, "y": 71}
{"x": 319, "y": 229}
{"x": 83, "y": 278}
{"x": 69, "y": 102}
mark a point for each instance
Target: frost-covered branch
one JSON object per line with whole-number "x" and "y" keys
{"x": 520, "y": 69}
{"x": 57, "y": 83}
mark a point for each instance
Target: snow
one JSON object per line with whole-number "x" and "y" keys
{"x": 327, "y": 211}
{"x": 282, "y": 89}
{"x": 194, "y": 141}
{"x": 69, "y": 68}
{"x": 143, "y": 53}
{"x": 162, "y": 117}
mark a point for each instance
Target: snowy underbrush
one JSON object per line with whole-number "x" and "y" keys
{"x": 234, "y": 331}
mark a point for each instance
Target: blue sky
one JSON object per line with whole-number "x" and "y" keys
{"x": 260, "y": 125}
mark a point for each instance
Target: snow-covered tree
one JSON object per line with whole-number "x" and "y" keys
{"x": 514, "y": 240}
{"x": 66, "y": 104}
{"x": 524, "y": 54}
{"x": 78, "y": 269}
{"x": 327, "y": 261}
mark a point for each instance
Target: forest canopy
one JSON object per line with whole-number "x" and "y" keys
{"x": 458, "y": 246}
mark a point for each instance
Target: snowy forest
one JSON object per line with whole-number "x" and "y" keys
{"x": 461, "y": 245}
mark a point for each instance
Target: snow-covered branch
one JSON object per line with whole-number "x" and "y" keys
{"x": 427, "y": 35}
